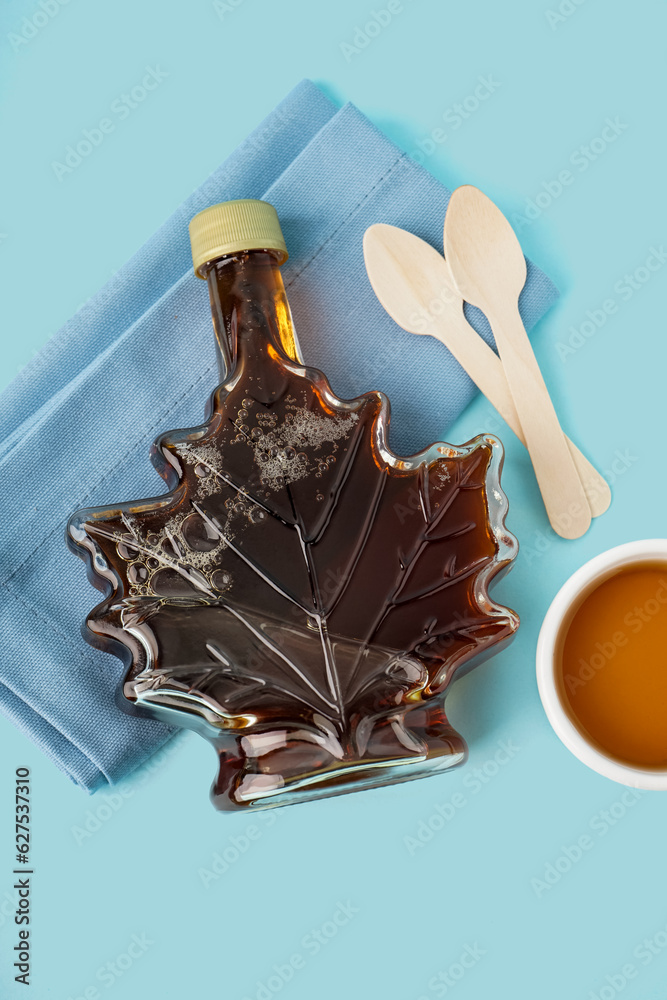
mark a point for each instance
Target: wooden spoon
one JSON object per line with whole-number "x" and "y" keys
{"x": 414, "y": 285}
{"x": 489, "y": 271}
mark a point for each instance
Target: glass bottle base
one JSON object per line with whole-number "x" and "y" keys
{"x": 285, "y": 766}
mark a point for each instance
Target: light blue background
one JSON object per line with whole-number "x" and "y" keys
{"x": 139, "y": 873}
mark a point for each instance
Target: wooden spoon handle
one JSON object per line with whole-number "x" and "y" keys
{"x": 595, "y": 485}
{"x": 486, "y": 370}
{"x": 566, "y": 504}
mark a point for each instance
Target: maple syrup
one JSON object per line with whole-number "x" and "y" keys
{"x": 613, "y": 664}
{"x": 302, "y": 596}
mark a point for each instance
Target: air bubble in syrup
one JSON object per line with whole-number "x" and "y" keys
{"x": 198, "y": 534}
{"x": 125, "y": 549}
{"x": 137, "y": 573}
{"x": 221, "y": 579}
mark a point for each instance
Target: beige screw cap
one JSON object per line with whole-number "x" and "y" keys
{"x": 231, "y": 226}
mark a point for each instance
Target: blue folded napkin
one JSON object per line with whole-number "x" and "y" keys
{"x": 77, "y": 423}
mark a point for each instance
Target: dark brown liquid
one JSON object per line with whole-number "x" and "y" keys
{"x": 302, "y": 596}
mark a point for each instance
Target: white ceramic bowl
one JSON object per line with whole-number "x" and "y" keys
{"x": 593, "y": 573}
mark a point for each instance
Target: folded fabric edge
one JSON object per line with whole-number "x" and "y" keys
{"x": 539, "y": 292}
{"x": 549, "y": 290}
{"x": 532, "y": 313}
{"x": 100, "y": 779}
{"x": 67, "y": 757}
{"x": 44, "y": 359}
{"x": 64, "y": 754}
{"x": 538, "y": 295}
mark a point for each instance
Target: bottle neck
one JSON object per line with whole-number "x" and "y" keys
{"x": 249, "y": 307}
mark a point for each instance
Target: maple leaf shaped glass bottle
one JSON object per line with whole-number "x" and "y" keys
{"x": 302, "y": 597}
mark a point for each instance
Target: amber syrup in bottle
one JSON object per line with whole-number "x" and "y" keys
{"x": 302, "y": 596}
